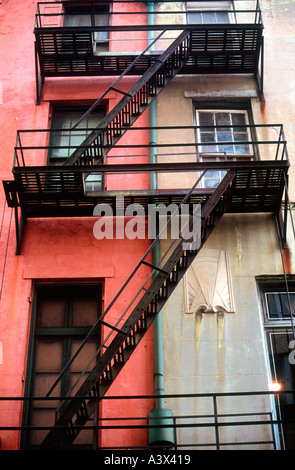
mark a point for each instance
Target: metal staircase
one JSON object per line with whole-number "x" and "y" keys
{"x": 133, "y": 103}
{"x": 232, "y": 192}
{"x": 77, "y": 411}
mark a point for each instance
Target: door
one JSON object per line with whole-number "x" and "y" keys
{"x": 62, "y": 317}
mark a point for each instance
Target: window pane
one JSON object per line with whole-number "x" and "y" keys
{"x": 224, "y": 123}
{"x": 208, "y": 17}
{"x": 76, "y": 139}
{"x": 208, "y": 137}
{"x": 274, "y": 305}
{"x": 51, "y": 310}
{"x": 278, "y": 305}
{"x": 93, "y": 182}
{"x": 194, "y": 18}
{"x": 212, "y": 174}
{"x": 239, "y": 119}
{"x": 228, "y": 149}
{"x": 243, "y": 148}
{"x": 206, "y": 119}
{"x": 101, "y": 20}
{"x": 224, "y": 137}
{"x": 285, "y": 304}
{"x": 211, "y": 183}
{"x": 82, "y": 360}
{"x": 77, "y": 20}
{"x": 49, "y": 355}
{"x": 85, "y": 306}
{"x": 222, "y": 17}
{"x": 222, "y": 119}
{"x": 71, "y": 138}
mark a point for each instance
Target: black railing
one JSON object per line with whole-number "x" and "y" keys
{"x": 231, "y": 419}
{"x": 265, "y": 142}
{"x": 104, "y": 46}
{"x": 51, "y": 14}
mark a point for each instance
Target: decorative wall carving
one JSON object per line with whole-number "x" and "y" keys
{"x": 207, "y": 283}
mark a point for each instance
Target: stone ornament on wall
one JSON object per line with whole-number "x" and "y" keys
{"x": 208, "y": 286}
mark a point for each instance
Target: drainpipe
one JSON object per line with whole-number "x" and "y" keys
{"x": 160, "y": 415}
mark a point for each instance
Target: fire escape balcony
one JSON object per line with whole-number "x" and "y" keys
{"x": 98, "y": 48}
{"x": 73, "y": 191}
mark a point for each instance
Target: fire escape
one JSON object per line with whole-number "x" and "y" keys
{"x": 48, "y": 191}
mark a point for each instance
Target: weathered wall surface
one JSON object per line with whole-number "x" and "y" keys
{"x": 226, "y": 352}
{"x": 223, "y": 351}
{"x": 53, "y": 250}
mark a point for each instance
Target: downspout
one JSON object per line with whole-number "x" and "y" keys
{"x": 160, "y": 415}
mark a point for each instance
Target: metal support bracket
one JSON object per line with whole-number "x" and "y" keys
{"x": 13, "y": 202}
{"x": 19, "y": 229}
{"x": 260, "y": 74}
{"x": 38, "y": 76}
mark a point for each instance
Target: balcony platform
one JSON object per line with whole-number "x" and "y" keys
{"x": 220, "y": 48}
{"x": 51, "y": 192}
{"x": 214, "y": 49}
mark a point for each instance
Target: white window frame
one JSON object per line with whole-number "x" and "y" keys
{"x": 211, "y": 6}
{"x": 230, "y": 130}
{"x": 219, "y": 154}
{"x": 280, "y": 318}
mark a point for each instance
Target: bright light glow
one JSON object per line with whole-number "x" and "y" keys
{"x": 276, "y": 386}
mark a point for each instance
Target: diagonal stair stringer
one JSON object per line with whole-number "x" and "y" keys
{"x": 133, "y": 104}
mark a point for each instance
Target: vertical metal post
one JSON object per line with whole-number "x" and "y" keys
{"x": 19, "y": 226}
{"x": 216, "y": 422}
{"x": 95, "y": 424}
{"x": 286, "y": 281}
{"x": 261, "y": 69}
{"x": 39, "y": 79}
{"x": 279, "y": 143}
{"x": 285, "y": 212}
{"x": 36, "y": 74}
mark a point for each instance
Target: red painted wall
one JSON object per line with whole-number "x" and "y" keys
{"x": 55, "y": 249}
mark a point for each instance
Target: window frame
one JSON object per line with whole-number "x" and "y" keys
{"x": 230, "y": 131}
{"x": 278, "y": 333}
{"x": 274, "y": 284}
{"x": 281, "y": 316}
{"x": 218, "y": 6}
{"x": 224, "y": 106}
{"x": 61, "y": 332}
{"x": 99, "y": 45}
{"x": 94, "y": 183}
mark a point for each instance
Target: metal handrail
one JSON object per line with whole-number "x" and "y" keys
{"x": 39, "y": 15}
{"x": 179, "y": 421}
{"x": 280, "y": 153}
{"x": 121, "y": 290}
{"x": 119, "y": 78}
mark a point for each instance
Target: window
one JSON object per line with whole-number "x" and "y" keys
{"x": 64, "y": 140}
{"x": 283, "y": 372}
{"x": 276, "y": 306}
{"x": 278, "y": 302}
{"x": 216, "y": 12}
{"x": 61, "y": 318}
{"x": 90, "y": 15}
{"x": 223, "y": 135}
{"x": 216, "y": 130}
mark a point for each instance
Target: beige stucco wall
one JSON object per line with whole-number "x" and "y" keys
{"x": 210, "y": 353}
